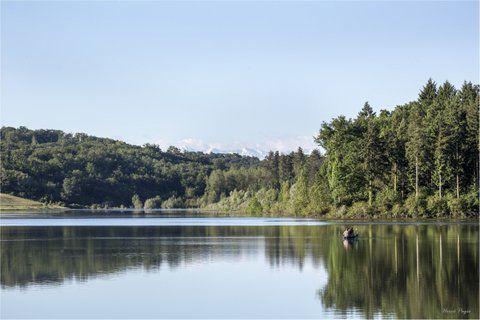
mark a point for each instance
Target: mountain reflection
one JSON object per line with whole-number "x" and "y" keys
{"x": 407, "y": 271}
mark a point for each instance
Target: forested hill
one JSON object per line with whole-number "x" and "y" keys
{"x": 82, "y": 170}
{"x": 419, "y": 159}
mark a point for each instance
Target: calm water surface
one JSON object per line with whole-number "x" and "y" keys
{"x": 167, "y": 265}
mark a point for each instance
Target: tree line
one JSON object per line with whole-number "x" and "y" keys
{"x": 422, "y": 155}
{"x": 419, "y": 159}
{"x": 78, "y": 170}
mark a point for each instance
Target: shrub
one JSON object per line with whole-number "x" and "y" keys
{"x": 386, "y": 199}
{"x": 193, "y": 203}
{"x": 267, "y": 198}
{"x": 361, "y": 209}
{"x": 136, "y": 202}
{"x": 339, "y": 211}
{"x": 416, "y": 206}
{"x": 398, "y": 210}
{"x": 236, "y": 198}
{"x": 437, "y": 206}
{"x": 456, "y": 206}
{"x": 254, "y": 206}
{"x": 299, "y": 198}
{"x": 172, "y": 202}
{"x": 471, "y": 199}
{"x": 153, "y": 203}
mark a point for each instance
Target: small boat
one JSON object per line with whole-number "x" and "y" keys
{"x": 350, "y": 236}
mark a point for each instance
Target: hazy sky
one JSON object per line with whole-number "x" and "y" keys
{"x": 224, "y": 74}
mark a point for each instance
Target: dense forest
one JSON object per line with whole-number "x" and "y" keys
{"x": 420, "y": 159}
{"x": 85, "y": 171}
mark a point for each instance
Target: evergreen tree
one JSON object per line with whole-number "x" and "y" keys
{"x": 437, "y": 130}
{"x": 416, "y": 146}
{"x": 286, "y": 168}
{"x": 271, "y": 164}
{"x": 313, "y": 164}
{"x": 469, "y": 97}
{"x": 371, "y": 149}
{"x": 298, "y": 161}
{"x": 428, "y": 93}
{"x": 456, "y": 123}
{"x": 393, "y": 131}
{"x": 433, "y": 143}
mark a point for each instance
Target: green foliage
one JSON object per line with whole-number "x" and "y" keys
{"x": 299, "y": 195}
{"x": 82, "y": 170}
{"x": 361, "y": 209}
{"x": 457, "y": 206}
{"x": 472, "y": 200}
{"x": 426, "y": 145}
{"x": 136, "y": 202}
{"x": 267, "y": 198}
{"x": 437, "y": 206}
{"x": 386, "y": 200}
{"x": 254, "y": 206}
{"x": 398, "y": 210}
{"x": 419, "y": 159}
{"x": 153, "y": 203}
{"x": 173, "y": 203}
{"x": 320, "y": 198}
{"x": 416, "y": 205}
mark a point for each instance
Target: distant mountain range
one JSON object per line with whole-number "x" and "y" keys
{"x": 259, "y": 149}
{"x": 260, "y": 154}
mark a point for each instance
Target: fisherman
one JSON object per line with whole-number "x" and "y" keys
{"x": 348, "y": 232}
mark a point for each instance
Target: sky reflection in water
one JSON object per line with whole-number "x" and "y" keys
{"x": 175, "y": 267}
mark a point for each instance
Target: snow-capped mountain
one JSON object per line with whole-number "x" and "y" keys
{"x": 259, "y": 150}
{"x": 242, "y": 151}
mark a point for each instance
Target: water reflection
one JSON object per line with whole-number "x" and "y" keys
{"x": 407, "y": 271}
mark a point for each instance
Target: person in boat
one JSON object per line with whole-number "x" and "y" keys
{"x": 348, "y": 233}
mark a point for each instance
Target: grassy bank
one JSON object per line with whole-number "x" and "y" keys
{"x": 9, "y": 202}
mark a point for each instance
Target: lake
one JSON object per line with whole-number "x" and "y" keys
{"x": 87, "y": 264}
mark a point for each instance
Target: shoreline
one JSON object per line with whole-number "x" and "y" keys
{"x": 238, "y": 214}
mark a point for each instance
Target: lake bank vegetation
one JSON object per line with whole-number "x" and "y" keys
{"x": 9, "y": 202}
{"x": 418, "y": 160}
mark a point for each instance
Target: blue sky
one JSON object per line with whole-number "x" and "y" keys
{"x": 224, "y": 74}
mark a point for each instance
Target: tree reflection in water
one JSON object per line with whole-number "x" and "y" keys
{"x": 403, "y": 270}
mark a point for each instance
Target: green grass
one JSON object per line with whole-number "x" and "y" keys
{"x": 9, "y": 202}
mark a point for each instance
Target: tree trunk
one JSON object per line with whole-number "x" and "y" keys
{"x": 416, "y": 176}
{"x": 476, "y": 176}
{"x": 458, "y": 178}
{"x": 440, "y": 185}
{"x": 458, "y": 186}
{"x": 477, "y": 171}
{"x": 395, "y": 178}
{"x": 370, "y": 193}
{"x": 402, "y": 184}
